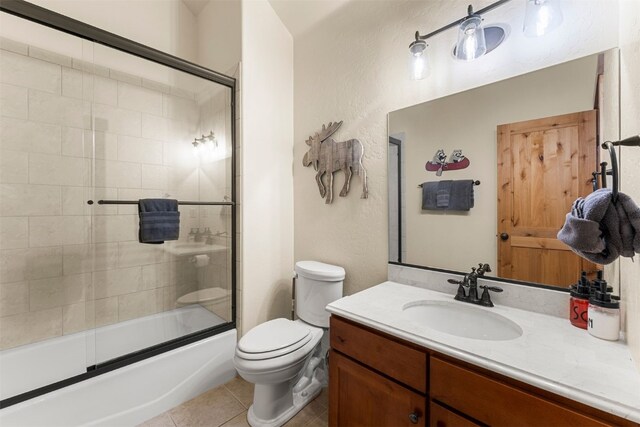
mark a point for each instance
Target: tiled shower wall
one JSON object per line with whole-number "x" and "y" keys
{"x": 71, "y": 131}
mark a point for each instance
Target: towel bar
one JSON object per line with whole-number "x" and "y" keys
{"x": 632, "y": 141}
{"x": 135, "y": 202}
{"x": 476, "y": 182}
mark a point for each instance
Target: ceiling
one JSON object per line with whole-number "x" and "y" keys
{"x": 300, "y": 16}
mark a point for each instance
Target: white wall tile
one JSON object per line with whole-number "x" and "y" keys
{"x": 77, "y": 317}
{"x": 125, "y": 77}
{"x": 117, "y": 174}
{"x": 56, "y": 109}
{"x": 58, "y": 170}
{"x": 14, "y": 166}
{"x": 116, "y": 120}
{"x": 131, "y": 254}
{"x": 105, "y": 194}
{"x": 13, "y": 263}
{"x": 26, "y": 199}
{"x": 139, "y": 99}
{"x": 138, "y": 304}
{"x": 13, "y": 101}
{"x": 105, "y": 91}
{"x": 14, "y": 298}
{"x": 14, "y": 232}
{"x": 48, "y": 56}
{"x": 154, "y": 177}
{"x": 58, "y": 230}
{"x": 41, "y": 263}
{"x": 87, "y": 143}
{"x": 105, "y": 311}
{"x": 139, "y": 150}
{"x": 155, "y": 127}
{"x": 30, "y": 327}
{"x": 87, "y": 258}
{"x": 59, "y": 291}
{"x": 14, "y": 46}
{"x": 179, "y": 108}
{"x": 24, "y": 135}
{"x": 117, "y": 282}
{"x": 115, "y": 228}
{"x": 20, "y": 70}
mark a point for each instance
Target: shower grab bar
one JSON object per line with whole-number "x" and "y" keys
{"x": 135, "y": 202}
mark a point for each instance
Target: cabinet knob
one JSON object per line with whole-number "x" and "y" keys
{"x": 413, "y": 417}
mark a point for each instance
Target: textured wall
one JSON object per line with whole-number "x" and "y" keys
{"x": 630, "y": 157}
{"x": 353, "y": 67}
{"x": 267, "y": 181}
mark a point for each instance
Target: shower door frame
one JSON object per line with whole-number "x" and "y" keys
{"x": 46, "y": 17}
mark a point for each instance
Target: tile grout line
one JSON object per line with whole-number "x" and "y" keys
{"x": 236, "y": 397}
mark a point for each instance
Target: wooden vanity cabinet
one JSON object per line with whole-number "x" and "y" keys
{"x": 379, "y": 380}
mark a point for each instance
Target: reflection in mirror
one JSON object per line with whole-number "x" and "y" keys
{"x": 532, "y": 143}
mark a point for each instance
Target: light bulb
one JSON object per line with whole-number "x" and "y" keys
{"x": 418, "y": 59}
{"x": 471, "y": 41}
{"x": 541, "y": 17}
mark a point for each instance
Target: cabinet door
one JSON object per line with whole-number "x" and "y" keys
{"x": 440, "y": 416}
{"x": 361, "y": 397}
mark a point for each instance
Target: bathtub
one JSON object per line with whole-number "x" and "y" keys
{"x": 125, "y": 396}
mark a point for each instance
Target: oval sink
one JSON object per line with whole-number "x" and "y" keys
{"x": 462, "y": 320}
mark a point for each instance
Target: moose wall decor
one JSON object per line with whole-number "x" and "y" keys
{"x": 328, "y": 156}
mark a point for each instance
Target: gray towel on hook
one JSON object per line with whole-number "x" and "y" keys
{"x": 448, "y": 195}
{"x": 159, "y": 220}
{"x": 599, "y": 230}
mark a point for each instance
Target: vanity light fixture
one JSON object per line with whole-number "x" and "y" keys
{"x": 418, "y": 59}
{"x": 541, "y": 17}
{"x": 205, "y": 146}
{"x": 474, "y": 40}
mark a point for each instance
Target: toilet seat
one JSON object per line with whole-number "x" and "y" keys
{"x": 274, "y": 338}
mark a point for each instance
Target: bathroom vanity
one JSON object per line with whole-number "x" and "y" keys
{"x": 387, "y": 369}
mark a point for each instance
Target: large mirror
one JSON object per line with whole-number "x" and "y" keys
{"x": 517, "y": 154}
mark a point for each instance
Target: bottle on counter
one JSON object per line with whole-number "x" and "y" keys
{"x": 604, "y": 314}
{"x": 579, "y": 302}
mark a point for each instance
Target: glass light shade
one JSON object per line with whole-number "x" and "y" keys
{"x": 541, "y": 17}
{"x": 418, "y": 60}
{"x": 471, "y": 42}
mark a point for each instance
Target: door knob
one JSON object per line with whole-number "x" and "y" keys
{"x": 504, "y": 236}
{"x": 413, "y": 417}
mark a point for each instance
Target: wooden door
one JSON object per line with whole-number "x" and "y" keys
{"x": 360, "y": 397}
{"x": 543, "y": 166}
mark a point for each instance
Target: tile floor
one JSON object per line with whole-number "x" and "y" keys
{"x": 227, "y": 406}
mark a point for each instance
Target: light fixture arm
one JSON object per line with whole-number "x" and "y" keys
{"x": 461, "y": 20}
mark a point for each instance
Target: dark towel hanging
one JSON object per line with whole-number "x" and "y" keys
{"x": 159, "y": 220}
{"x": 448, "y": 195}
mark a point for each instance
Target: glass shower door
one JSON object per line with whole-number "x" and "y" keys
{"x": 167, "y": 135}
{"x": 45, "y": 239}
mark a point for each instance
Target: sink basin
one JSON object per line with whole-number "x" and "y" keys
{"x": 463, "y": 320}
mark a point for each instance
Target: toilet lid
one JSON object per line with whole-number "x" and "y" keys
{"x": 273, "y": 335}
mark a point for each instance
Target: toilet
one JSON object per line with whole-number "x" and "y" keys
{"x": 286, "y": 359}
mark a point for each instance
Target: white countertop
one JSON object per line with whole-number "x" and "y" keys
{"x": 551, "y": 353}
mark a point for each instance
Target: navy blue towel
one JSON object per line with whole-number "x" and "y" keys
{"x": 159, "y": 220}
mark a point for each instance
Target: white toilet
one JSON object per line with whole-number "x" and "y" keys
{"x": 286, "y": 359}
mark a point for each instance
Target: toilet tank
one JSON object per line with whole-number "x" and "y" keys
{"x": 317, "y": 285}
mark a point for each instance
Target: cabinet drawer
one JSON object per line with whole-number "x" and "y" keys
{"x": 495, "y": 403}
{"x": 399, "y": 361}
{"x": 442, "y": 417}
{"x": 359, "y": 397}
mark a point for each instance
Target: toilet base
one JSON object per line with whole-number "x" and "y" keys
{"x": 300, "y": 400}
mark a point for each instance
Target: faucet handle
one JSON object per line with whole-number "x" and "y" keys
{"x": 483, "y": 268}
{"x": 485, "y": 300}
{"x": 458, "y": 282}
{"x": 492, "y": 288}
